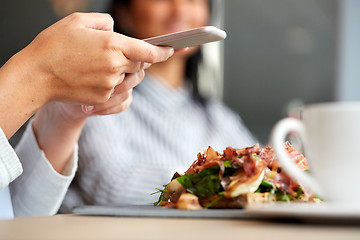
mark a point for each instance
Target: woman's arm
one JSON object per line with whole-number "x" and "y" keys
{"x": 40, "y": 189}
{"x": 48, "y": 150}
{"x": 78, "y": 59}
{"x": 57, "y": 126}
{"x": 18, "y": 96}
{"x": 56, "y": 132}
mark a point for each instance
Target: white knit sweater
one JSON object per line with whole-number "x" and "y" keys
{"x": 40, "y": 189}
{"x": 10, "y": 169}
{"x": 124, "y": 157}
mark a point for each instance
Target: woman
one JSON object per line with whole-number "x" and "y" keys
{"x": 124, "y": 157}
{"x": 76, "y": 60}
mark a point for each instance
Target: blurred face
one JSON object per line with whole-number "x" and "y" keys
{"x": 149, "y": 18}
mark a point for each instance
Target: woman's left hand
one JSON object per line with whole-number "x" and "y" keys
{"x": 57, "y": 126}
{"x": 119, "y": 101}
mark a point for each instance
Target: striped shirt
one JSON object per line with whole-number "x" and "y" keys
{"x": 124, "y": 157}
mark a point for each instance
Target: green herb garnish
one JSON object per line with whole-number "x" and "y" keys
{"x": 162, "y": 194}
{"x": 203, "y": 184}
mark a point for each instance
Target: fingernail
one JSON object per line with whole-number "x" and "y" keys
{"x": 112, "y": 92}
{"x": 171, "y": 52}
{"x": 146, "y": 65}
{"x": 87, "y": 108}
{"x": 121, "y": 79}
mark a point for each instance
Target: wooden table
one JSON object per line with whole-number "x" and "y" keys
{"x": 86, "y": 227}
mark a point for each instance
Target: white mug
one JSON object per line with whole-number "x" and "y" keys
{"x": 330, "y": 133}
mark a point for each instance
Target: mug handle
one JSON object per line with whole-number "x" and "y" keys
{"x": 277, "y": 139}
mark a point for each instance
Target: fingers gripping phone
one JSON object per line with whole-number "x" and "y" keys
{"x": 189, "y": 38}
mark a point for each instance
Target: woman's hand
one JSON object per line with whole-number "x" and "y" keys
{"x": 57, "y": 126}
{"x": 119, "y": 101}
{"x": 79, "y": 59}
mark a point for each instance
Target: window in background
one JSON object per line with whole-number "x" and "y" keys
{"x": 348, "y": 55}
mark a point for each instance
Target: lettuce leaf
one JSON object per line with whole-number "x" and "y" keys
{"x": 203, "y": 184}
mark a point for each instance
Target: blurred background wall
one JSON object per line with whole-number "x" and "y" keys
{"x": 348, "y": 51}
{"x": 279, "y": 54}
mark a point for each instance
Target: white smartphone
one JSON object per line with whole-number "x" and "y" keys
{"x": 189, "y": 38}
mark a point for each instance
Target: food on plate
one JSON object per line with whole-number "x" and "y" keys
{"x": 234, "y": 179}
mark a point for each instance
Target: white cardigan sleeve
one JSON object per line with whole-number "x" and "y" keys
{"x": 10, "y": 167}
{"x": 40, "y": 189}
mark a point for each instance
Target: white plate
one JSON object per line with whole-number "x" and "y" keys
{"x": 326, "y": 212}
{"x": 156, "y": 211}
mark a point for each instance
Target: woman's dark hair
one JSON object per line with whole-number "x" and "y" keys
{"x": 192, "y": 63}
